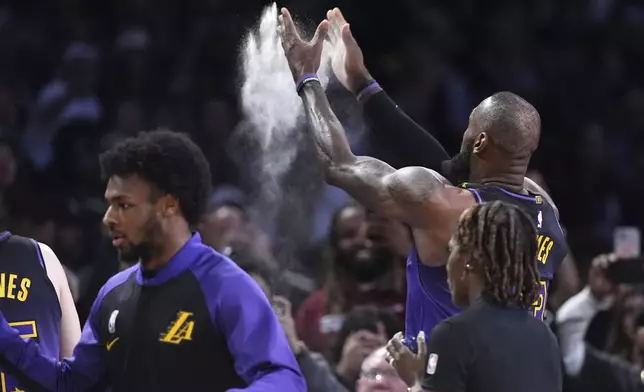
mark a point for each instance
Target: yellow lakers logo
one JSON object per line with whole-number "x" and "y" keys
{"x": 179, "y": 330}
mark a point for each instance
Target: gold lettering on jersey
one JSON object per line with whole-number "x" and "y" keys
{"x": 14, "y": 287}
{"x": 179, "y": 330}
{"x": 544, "y": 246}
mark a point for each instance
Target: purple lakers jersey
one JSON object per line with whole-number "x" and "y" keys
{"x": 552, "y": 247}
{"x": 28, "y": 299}
{"x": 429, "y": 300}
{"x": 428, "y": 297}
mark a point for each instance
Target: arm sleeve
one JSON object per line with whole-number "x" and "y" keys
{"x": 448, "y": 362}
{"x": 392, "y": 127}
{"x": 85, "y": 371}
{"x": 255, "y": 338}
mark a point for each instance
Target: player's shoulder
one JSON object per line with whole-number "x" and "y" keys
{"x": 212, "y": 268}
{"x": 119, "y": 279}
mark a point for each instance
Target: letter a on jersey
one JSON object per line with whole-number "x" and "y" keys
{"x": 179, "y": 330}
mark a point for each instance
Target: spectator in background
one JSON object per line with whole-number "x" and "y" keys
{"x": 377, "y": 375}
{"x": 588, "y": 367}
{"x": 365, "y": 267}
{"x": 315, "y": 369}
{"x": 68, "y": 97}
{"x": 364, "y": 330}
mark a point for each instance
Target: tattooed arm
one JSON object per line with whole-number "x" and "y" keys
{"x": 411, "y": 194}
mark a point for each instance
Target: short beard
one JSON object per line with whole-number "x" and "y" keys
{"x": 142, "y": 251}
{"x": 457, "y": 170}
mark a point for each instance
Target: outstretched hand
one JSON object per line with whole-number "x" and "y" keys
{"x": 303, "y": 57}
{"x": 409, "y": 365}
{"x": 347, "y": 62}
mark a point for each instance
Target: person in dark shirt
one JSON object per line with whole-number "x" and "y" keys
{"x": 184, "y": 317}
{"x": 495, "y": 344}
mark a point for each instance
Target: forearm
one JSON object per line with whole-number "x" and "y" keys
{"x": 327, "y": 132}
{"x": 22, "y": 360}
{"x": 392, "y": 128}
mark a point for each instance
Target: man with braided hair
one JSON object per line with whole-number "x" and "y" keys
{"x": 495, "y": 344}
{"x": 502, "y": 134}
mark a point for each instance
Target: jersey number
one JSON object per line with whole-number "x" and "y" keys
{"x": 27, "y": 329}
{"x": 539, "y": 306}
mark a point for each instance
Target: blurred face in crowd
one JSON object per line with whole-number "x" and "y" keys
{"x": 134, "y": 216}
{"x": 378, "y": 375}
{"x": 359, "y": 251}
{"x": 222, "y": 227}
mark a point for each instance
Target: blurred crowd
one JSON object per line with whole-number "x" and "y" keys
{"x": 77, "y": 76}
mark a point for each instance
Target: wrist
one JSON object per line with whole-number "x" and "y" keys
{"x": 368, "y": 91}
{"x": 305, "y": 79}
{"x": 359, "y": 81}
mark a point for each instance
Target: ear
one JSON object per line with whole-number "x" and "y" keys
{"x": 169, "y": 205}
{"x": 480, "y": 142}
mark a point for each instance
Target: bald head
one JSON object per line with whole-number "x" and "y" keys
{"x": 511, "y": 122}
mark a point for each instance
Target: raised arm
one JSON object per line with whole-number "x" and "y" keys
{"x": 414, "y": 195}
{"x": 409, "y": 194}
{"x": 390, "y": 126}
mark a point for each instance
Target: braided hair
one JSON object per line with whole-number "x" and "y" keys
{"x": 502, "y": 240}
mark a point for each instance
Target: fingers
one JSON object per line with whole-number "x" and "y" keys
{"x": 287, "y": 27}
{"x": 392, "y": 352}
{"x": 347, "y": 37}
{"x": 369, "y": 339}
{"x": 382, "y": 332}
{"x": 338, "y": 15}
{"x": 283, "y": 304}
{"x": 422, "y": 345}
{"x": 397, "y": 343}
{"x": 390, "y": 360}
{"x": 320, "y": 34}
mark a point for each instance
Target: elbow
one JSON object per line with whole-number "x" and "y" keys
{"x": 337, "y": 170}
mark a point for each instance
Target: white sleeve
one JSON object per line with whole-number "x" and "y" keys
{"x": 70, "y": 330}
{"x": 573, "y": 320}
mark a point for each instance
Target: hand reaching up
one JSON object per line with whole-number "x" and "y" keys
{"x": 303, "y": 57}
{"x": 347, "y": 61}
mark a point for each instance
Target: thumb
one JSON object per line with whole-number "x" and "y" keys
{"x": 347, "y": 37}
{"x": 422, "y": 345}
{"x": 320, "y": 33}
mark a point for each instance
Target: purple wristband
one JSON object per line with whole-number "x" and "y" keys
{"x": 370, "y": 87}
{"x": 305, "y": 79}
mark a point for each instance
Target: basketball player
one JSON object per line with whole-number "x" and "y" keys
{"x": 494, "y": 344}
{"x": 36, "y": 300}
{"x": 184, "y": 317}
{"x": 502, "y": 134}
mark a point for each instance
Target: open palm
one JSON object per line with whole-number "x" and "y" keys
{"x": 347, "y": 60}
{"x": 303, "y": 57}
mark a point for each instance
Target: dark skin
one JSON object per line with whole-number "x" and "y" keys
{"x": 349, "y": 68}
{"x": 147, "y": 227}
{"x": 418, "y": 196}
